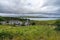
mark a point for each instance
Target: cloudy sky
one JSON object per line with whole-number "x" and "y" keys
{"x": 47, "y": 8}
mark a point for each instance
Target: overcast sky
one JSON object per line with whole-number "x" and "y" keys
{"x": 16, "y": 7}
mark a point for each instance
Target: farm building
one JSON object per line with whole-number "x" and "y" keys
{"x": 14, "y": 21}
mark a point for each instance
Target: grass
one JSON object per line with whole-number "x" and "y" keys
{"x": 44, "y": 22}
{"x": 28, "y": 33}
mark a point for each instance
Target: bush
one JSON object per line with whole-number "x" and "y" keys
{"x": 33, "y": 23}
{"x": 57, "y": 23}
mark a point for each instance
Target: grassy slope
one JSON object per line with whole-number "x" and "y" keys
{"x": 44, "y": 22}
{"x": 28, "y": 33}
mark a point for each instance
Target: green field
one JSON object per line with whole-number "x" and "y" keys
{"x": 29, "y": 33}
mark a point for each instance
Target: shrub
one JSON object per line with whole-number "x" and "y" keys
{"x": 33, "y": 23}
{"x": 57, "y": 23}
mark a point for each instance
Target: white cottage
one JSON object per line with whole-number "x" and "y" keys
{"x": 27, "y": 22}
{"x": 15, "y": 21}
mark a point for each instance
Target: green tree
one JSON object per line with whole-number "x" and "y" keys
{"x": 2, "y": 19}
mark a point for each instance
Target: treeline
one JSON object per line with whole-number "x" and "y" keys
{"x": 10, "y": 18}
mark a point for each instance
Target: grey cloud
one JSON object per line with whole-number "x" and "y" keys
{"x": 24, "y": 6}
{"x": 20, "y": 7}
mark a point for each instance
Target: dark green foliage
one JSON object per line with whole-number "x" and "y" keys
{"x": 11, "y": 18}
{"x": 2, "y": 19}
{"x": 57, "y": 23}
{"x": 4, "y": 35}
{"x": 33, "y": 23}
{"x": 0, "y": 23}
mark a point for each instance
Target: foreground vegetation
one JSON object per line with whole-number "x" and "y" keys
{"x": 41, "y": 30}
{"x": 29, "y": 33}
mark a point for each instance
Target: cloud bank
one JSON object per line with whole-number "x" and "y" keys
{"x": 30, "y": 6}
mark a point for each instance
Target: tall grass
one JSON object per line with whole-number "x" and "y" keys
{"x": 28, "y": 33}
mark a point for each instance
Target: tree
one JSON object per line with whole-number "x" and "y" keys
{"x": 2, "y": 19}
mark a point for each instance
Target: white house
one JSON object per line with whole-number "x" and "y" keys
{"x": 15, "y": 21}
{"x": 27, "y": 22}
